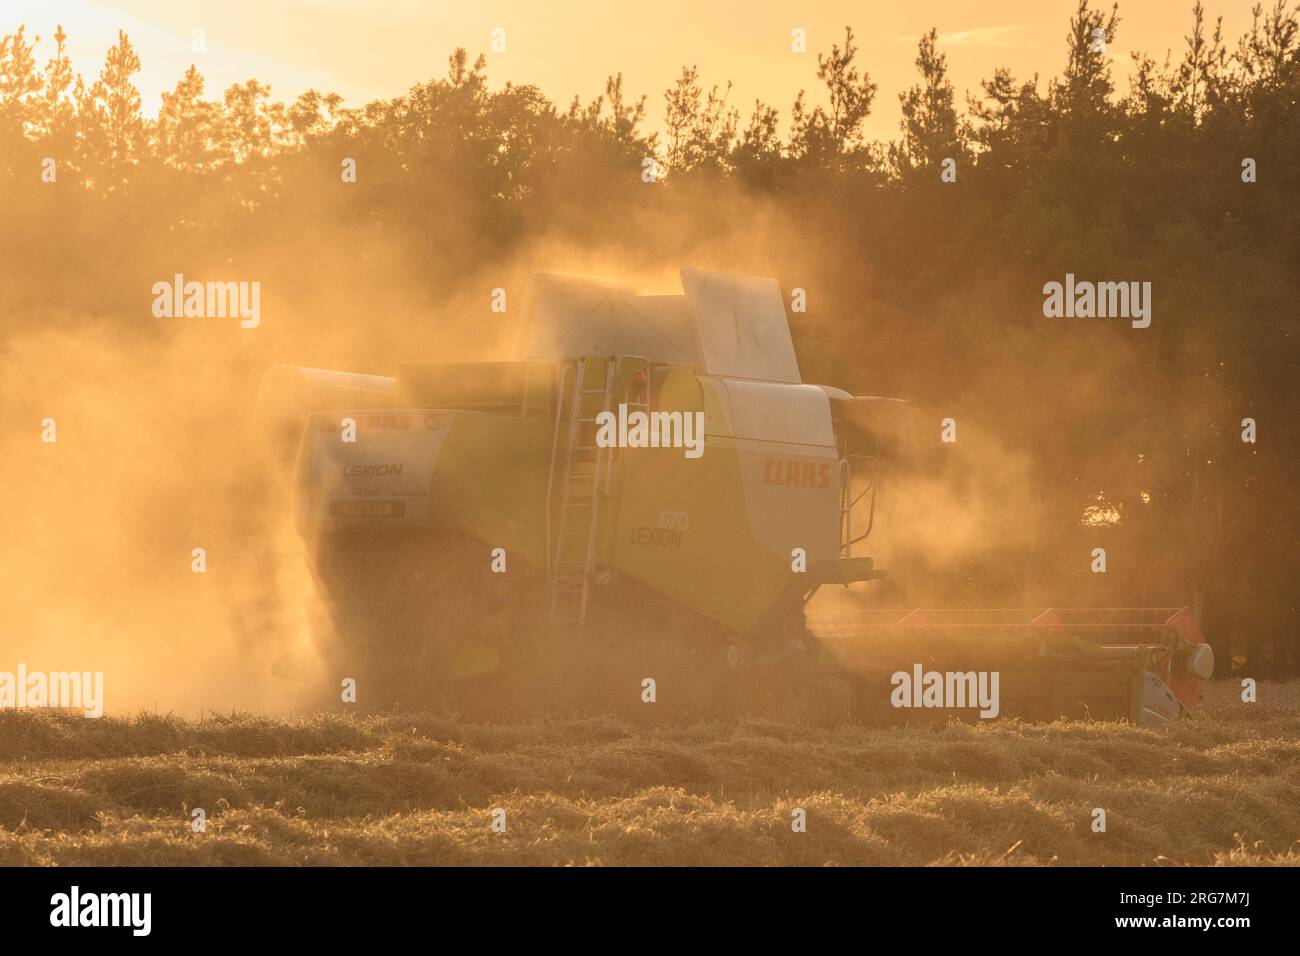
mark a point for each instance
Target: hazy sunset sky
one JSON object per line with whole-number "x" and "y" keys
{"x": 368, "y": 49}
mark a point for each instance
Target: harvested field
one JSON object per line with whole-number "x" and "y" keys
{"x": 1220, "y": 788}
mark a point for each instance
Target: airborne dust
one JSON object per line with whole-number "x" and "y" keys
{"x": 157, "y": 452}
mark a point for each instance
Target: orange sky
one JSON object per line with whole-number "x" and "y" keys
{"x": 365, "y": 49}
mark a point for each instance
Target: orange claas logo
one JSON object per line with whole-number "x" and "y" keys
{"x": 794, "y": 473}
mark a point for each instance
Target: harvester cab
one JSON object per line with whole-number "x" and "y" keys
{"x": 775, "y": 485}
{"x": 658, "y": 462}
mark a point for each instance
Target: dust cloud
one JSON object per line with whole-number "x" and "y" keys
{"x": 158, "y": 453}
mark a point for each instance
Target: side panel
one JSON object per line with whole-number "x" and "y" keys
{"x": 716, "y": 533}
{"x": 474, "y": 473}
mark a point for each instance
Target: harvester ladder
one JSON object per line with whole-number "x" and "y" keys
{"x": 580, "y": 493}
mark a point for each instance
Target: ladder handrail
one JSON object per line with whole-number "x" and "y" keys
{"x": 846, "y": 508}
{"x": 555, "y": 442}
{"x": 575, "y": 407}
{"x": 592, "y": 501}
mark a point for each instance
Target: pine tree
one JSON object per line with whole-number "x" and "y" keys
{"x": 112, "y": 131}
{"x": 931, "y": 132}
{"x": 833, "y": 139}
{"x": 57, "y": 112}
{"x": 20, "y": 85}
{"x": 189, "y": 127}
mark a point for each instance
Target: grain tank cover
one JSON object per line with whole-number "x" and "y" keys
{"x": 724, "y": 324}
{"x": 657, "y": 327}
{"x": 740, "y": 326}
{"x": 568, "y": 316}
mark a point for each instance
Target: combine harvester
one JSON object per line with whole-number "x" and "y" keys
{"x": 649, "y": 489}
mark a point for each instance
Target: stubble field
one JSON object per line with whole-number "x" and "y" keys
{"x": 1220, "y": 788}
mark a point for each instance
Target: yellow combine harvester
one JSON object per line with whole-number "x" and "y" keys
{"x": 649, "y": 490}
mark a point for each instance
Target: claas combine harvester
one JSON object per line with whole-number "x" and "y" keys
{"x": 647, "y": 496}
